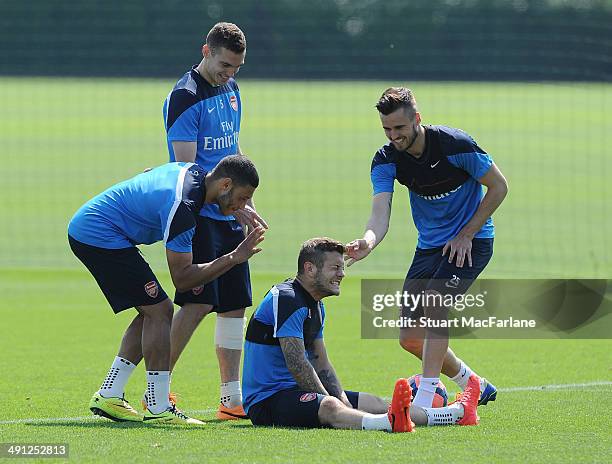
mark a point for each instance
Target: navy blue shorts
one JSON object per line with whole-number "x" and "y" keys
{"x": 432, "y": 271}
{"x": 293, "y": 408}
{"x": 123, "y": 275}
{"x": 230, "y": 291}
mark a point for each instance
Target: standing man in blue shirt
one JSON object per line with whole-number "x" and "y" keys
{"x": 202, "y": 121}
{"x": 159, "y": 205}
{"x": 444, "y": 170}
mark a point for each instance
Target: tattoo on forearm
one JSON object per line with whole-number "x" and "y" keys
{"x": 302, "y": 371}
{"x": 330, "y": 382}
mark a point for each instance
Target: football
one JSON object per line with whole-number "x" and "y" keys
{"x": 440, "y": 398}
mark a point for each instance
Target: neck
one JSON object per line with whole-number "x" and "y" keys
{"x": 309, "y": 288}
{"x": 418, "y": 146}
{"x": 211, "y": 193}
{"x": 201, "y": 70}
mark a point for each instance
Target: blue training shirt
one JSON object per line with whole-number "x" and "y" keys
{"x": 443, "y": 185}
{"x": 196, "y": 111}
{"x": 287, "y": 310}
{"x": 161, "y": 204}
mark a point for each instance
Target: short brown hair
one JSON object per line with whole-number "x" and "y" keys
{"x": 395, "y": 98}
{"x": 313, "y": 251}
{"x": 226, "y": 35}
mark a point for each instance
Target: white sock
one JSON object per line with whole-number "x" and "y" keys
{"x": 231, "y": 394}
{"x": 461, "y": 379}
{"x": 426, "y": 391}
{"x": 118, "y": 375}
{"x": 376, "y": 422}
{"x": 158, "y": 389}
{"x": 448, "y": 415}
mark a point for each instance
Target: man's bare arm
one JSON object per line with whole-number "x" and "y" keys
{"x": 376, "y": 229}
{"x": 187, "y": 275}
{"x": 185, "y": 151}
{"x": 326, "y": 372}
{"x": 303, "y": 372}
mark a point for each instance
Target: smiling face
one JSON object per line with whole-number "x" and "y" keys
{"x": 233, "y": 197}
{"x": 220, "y": 64}
{"x": 327, "y": 279}
{"x": 400, "y": 128}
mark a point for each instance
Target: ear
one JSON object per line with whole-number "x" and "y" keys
{"x": 225, "y": 184}
{"x": 417, "y": 117}
{"x": 205, "y": 51}
{"x": 309, "y": 269}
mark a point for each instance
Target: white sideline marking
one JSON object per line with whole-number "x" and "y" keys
{"x": 544, "y": 388}
{"x": 603, "y": 383}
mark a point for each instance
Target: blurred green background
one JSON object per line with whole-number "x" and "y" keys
{"x": 66, "y": 140}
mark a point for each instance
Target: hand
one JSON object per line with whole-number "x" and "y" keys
{"x": 356, "y": 250}
{"x": 248, "y": 217}
{"x": 248, "y": 247}
{"x": 460, "y": 246}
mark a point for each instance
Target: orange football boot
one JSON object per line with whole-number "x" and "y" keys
{"x": 469, "y": 399}
{"x": 235, "y": 413}
{"x": 399, "y": 409}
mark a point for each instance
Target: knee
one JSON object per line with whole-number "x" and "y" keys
{"x": 197, "y": 312}
{"x": 329, "y": 409}
{"x": 161, "y": 312}
{"x": 412, "y": 345}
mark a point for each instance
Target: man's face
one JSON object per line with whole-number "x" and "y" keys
{"x": 234, "y": 198}
{"x": 221, "y": 64}
{"x": 327, "y": 279}
{"x": 400, "y": 129}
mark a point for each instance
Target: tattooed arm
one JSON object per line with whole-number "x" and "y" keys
{"x": 326, "y": 372}
{"x": 302, "y": 371}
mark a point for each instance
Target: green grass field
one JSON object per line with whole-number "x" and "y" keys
{"x": 66, "y": 140}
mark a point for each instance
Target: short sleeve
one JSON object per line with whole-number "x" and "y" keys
{"x": 476, "y": 164}
{"x": 320, "y": 333}
{"x": 182, "y": 243}
{"x": 293, "y": 325}
{"x": 183, "y": 116}
{"x": 383, "y": 178}
{"x": 179, "y": 229}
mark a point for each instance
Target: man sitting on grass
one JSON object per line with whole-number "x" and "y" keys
{"x": 288, "y": 379}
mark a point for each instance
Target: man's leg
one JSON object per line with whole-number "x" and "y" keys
{"x": 453, "y": 367}
{"x": 184, "y": 324}
{"x": 156, "y": 353}
{"x": 412, "y": 341}
{"x": 130, "y": 354}
{"x": 234, "y": 293}
{"x": 372, "y": 403}
{"x": 229, "y": 337}
{"x": 332, "y": 412}
{"x": 131, "y": 344}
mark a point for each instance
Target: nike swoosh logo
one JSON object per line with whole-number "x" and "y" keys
{"x": 158, "y": 419}
{"x": 210, "y": 110}
{"x": 434, "y": 165}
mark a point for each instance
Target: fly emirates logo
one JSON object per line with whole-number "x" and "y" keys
{"x": 227, "y": 140}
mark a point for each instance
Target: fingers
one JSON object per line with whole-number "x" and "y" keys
{"x": 256, "y": 235}
{"x": 350, "y": 262}
{"x": 469, "y": 257}
{"x": 244, "y": 219}
{"x": 259, "y": 219}
{"x": 460, "y": 257}
{"x": 452, "y": 253}
{"x": 446, "y": 245}
{"x": 254, "y": 217}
